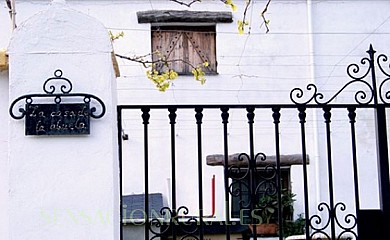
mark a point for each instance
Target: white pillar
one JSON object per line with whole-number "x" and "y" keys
{"x": 4, "y": 155}
{"x": 63, "y": 187}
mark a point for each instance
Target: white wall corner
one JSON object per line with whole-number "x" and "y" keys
{"x": 63, "y": 187}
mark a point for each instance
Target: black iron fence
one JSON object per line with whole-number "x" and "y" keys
{"x": 256, "y": 185}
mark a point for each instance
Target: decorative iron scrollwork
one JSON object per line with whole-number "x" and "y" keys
{"x": 65, "y": 89}
{"x": 249, "y": 185}
{"x": 66, "y": 116}
{"x": 347, "y": 224}
{"x": 179, "y": 219}
{"x": 239, "y": 175}
{"x": 367, "y": 95}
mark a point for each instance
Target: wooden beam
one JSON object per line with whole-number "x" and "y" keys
{"x": 285, "y": 160}
{"x": 170, "y": 16}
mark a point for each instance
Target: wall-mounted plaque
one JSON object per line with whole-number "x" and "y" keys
{"x": 58, "y": 118}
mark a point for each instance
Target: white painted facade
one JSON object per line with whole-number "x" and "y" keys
{"x": 49, "y": 189}
{"x": 309, "y": 42}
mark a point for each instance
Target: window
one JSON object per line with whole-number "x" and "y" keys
{"x": 185, "y": 47}
{"x": 185, "y": 38}
{"x": 264, "y": 179}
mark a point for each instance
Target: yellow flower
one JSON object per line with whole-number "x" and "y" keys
{"x": 231, "y": 4}
{"x": 199, "y": 75}
{"x": 161, "y": 80}
{"x": 241, "y": 25}
{"x": 114, "y": 37}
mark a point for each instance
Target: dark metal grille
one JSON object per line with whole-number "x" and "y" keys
{"x": 332, "y": 218}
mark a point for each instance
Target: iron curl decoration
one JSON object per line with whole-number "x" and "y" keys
{"x": 346, "y": 227}
{"x": 190, "y": 226}
{"x": 267, "y": 178}
{"x": 316, "y": 220}
{"x": 319, "y": 235}
{"x": 237, "y": 188}
{"x": 383, "y": 59}
{"x": 159, "y": 223}
{"x": 349, "y": 219}
{"x": 243, "y": 171}
{"x": 260, "y": 156}
{"x": 384, "y": 94}
{"x": 363, "y": 96}
{"x": 269, "y": 170}
{"x": 160, "y": 227}
{"x": 354, "y": 68}
{"x": 57, "y": 76}
{"x": 50, "y": 92}
{"x": 245, "y": 185}
{"x": 239, "y": 175}
{"x": 297, "y": 93}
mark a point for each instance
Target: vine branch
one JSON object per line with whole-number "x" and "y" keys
{"x": 265, "y": 21}
{"x": 184, "y": 3}
{"x": 163, "y": 78}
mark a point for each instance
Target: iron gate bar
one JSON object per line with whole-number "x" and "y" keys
{"x": 276, "y": 116}
{"x": 251, "y": 165}
{"x": 119, "y": 123}
{"x": 302, "y": 120}
{"x": 225, "y": 121}
{"x": 198, "y": 117}
{"x": 145, "y": 117}
{"x": 352, "y": 117}
{"x": 332, "y": 213}
{"x": 371, "y": 52}
{"x": 172, "y": 118}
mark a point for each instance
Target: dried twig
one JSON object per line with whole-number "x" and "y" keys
{"x": 265, "y": 21}
{"x": 146, "y": 63}
{"x": 184, "y": 3}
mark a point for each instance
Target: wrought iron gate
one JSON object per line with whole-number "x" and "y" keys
{"x": 253, "y": 175}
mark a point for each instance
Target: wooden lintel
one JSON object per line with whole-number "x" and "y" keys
{"x": 233, "y": 160}
{"x": 170, "y": 16}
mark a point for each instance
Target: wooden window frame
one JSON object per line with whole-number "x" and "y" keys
{"x": 184, "y": 47}
{"x": 188, "y": 20}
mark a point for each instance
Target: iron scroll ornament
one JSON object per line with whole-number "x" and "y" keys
{"x": 57, "y": 88}
{"x": 369, "y": 94}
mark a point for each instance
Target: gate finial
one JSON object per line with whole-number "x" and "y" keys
{"x": 371, "y": 50}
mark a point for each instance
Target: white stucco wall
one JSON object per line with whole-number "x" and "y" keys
{"x": 4, "y": 154}
{"x": 256, "y": 68}
{"x": 342, "y": 33}
{"x": 63, "y": 187}
{"x": 309, "y": 41}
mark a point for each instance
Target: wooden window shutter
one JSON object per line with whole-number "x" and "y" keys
{"x": 185, "y": 47}
{"x": 202, "y": 49}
